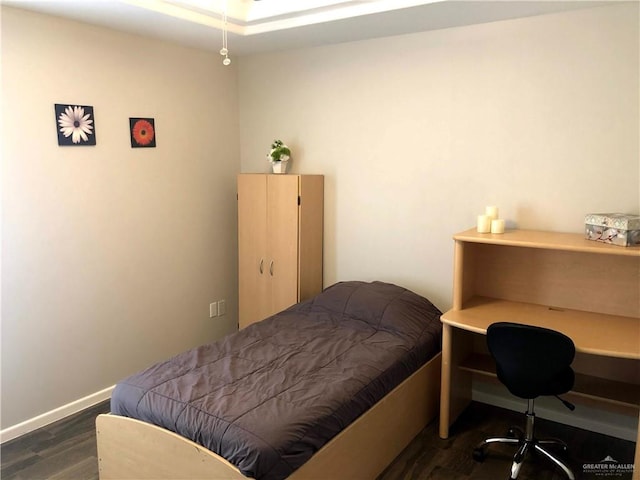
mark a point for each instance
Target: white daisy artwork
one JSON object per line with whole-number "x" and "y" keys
{"x": 75, "y": 125}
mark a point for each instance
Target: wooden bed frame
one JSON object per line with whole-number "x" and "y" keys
{"x": 131, "y": 449}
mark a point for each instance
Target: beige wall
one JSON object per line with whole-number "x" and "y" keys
{"x": 418, "y": 133}
{"x": 110, "y": 255}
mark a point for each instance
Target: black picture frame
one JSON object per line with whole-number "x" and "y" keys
{"x": 75, "y": 125}
{"x": 143, "y": 132}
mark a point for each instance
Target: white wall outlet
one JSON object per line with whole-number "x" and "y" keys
{"x": 222, "y": 307}
{"x": 213, "y": 309}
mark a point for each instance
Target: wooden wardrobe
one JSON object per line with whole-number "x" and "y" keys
{"x": 280, "y": 229}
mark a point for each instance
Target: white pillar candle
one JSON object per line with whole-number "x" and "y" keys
{"x": 491, "y": 212}
{"x": 497, "y": 226}
{"x": 484, "y": 224}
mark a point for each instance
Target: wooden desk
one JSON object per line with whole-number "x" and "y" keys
{"x": 587, "y": 290}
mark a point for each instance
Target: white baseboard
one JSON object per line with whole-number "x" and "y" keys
{"x": 585, "y": 417}
{"x": 54, "y": 415}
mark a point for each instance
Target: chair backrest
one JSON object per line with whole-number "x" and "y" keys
{"x": 531, "y": 361}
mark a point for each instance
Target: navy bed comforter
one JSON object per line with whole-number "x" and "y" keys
{"x": 269, "y": 396}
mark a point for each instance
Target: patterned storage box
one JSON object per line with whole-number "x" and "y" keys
{"x": 615, "y": 228}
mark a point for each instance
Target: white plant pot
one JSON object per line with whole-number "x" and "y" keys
{"x": 280, "y": 167}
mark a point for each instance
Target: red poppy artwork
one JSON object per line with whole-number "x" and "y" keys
{"x": 143, "y": 132}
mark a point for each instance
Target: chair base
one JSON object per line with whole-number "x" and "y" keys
{"x": 526, "y": 442}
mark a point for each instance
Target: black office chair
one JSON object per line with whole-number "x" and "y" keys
{"x": 530, "y": 362}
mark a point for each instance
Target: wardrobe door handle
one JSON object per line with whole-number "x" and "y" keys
{"x": 261, "y": 266}
{"x": 271, "y": 268}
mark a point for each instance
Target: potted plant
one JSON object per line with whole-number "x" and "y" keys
{"x": 279, "y": 156}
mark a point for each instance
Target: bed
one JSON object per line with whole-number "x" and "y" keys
{"x": 333, "y": 387}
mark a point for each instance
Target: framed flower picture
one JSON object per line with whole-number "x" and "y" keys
{"x": 143, "y": 132}
{"x": 75, "y": 125}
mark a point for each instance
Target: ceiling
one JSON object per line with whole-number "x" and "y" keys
{"x": 272, "y": 25}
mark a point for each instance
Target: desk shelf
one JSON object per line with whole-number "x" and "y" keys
{"x": 587, "y": 290}
{"x": 568, "y": 242}
{"x": 587, "y": 386}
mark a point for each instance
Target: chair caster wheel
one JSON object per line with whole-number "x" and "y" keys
{"x": 479, "y": 454}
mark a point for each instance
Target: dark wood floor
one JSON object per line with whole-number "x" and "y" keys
{"x": 67, "y": 450}
{"x": 63, "y": 450}
{"x": 430, "y": 458}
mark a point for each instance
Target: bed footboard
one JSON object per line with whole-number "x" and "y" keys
{"x": 131, "y": 449}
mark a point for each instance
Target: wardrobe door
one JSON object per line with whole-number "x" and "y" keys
{"x": 282, "y": 232}
{"x": 253, "y": 263}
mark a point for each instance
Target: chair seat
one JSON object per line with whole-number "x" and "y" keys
{"x": 560, "y": 383}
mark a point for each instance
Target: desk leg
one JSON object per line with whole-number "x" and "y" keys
{"x": 636, "y": 468}
{"x": 445, "y": 382}
{"x": 455, "y": 386}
